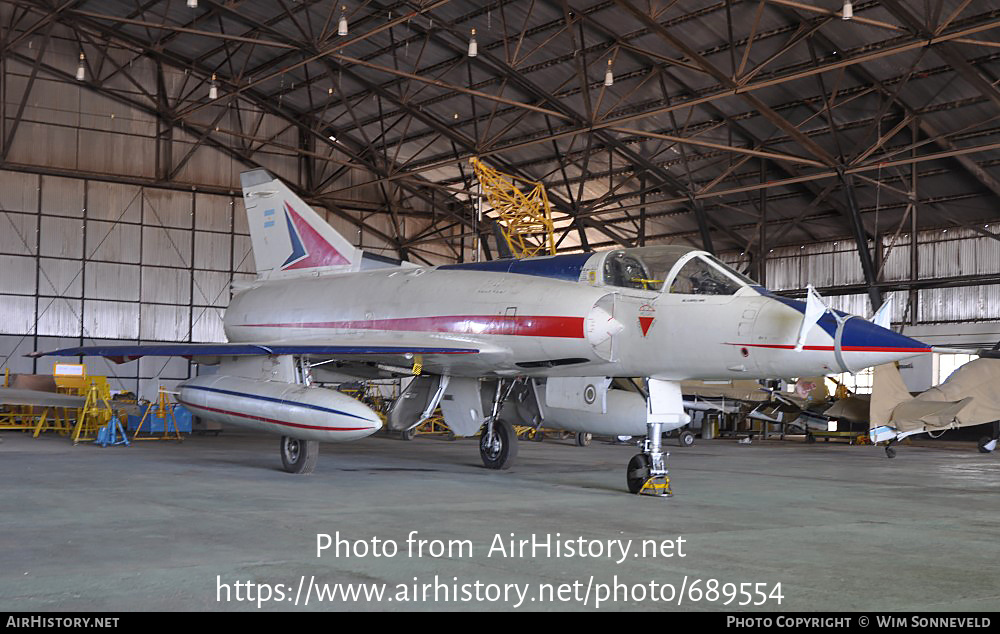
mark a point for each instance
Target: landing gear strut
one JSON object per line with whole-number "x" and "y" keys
{"x": 297, "y": 455}
{"x": 890, "y": 451}
{"x": 647, "y": 471}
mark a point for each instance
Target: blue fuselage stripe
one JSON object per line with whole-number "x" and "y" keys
{"x": 558, "y": 267}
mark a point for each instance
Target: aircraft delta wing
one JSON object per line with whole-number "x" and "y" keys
{"x": 546, "y": 334}
{"x": 210, "y": 353}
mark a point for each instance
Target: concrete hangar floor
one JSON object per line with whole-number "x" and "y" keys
{"x": 168, "y": 526}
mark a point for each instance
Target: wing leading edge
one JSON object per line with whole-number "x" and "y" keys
{"x": 124, "y": 354}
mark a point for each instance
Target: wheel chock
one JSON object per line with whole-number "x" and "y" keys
{"x": 658, "y": 486}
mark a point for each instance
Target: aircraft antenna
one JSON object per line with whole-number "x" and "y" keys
{"x": 525, "y": 218}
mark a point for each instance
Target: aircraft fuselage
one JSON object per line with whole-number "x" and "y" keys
{"x": 542, "y": 325}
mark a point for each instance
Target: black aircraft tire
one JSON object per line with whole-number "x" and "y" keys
{"x": 502, "y": 455}
{"x": 985, "y": 440}
{"x": 538, "y": 436}
{"x": 685, "y": 438}
{"x": 583, "y": 438}
{"x": 408, "y": 434}
{"x": 638, "y": 472}
{"x": 890, "y": 452}
{"x": 297, "y": 455}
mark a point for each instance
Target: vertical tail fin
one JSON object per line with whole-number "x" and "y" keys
{"x": 888, "y": 391}
{"x": 289, "y": 238}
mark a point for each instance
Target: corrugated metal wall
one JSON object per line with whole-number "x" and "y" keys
{"x": 940, "y": 254}
{"x": 85, "y": 261}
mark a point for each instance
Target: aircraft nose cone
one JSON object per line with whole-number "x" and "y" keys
{"x": 866, "y": 344}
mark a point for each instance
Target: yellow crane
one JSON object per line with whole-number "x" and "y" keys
{"x": 525, "y": 218}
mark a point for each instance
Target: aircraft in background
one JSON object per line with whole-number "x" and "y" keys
{"x": 750, "y": 399}
{"x": 970, "y": 396}
{"x": 543, "y": 334}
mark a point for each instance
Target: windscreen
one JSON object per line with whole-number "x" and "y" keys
{"x": 643, "y": 268}
{"x": 703, "y": 275}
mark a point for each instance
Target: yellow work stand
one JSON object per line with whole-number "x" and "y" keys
{"x": 92, "y": 416}
{"x": 58, "y": 423}
{"x": 165, "y": 411}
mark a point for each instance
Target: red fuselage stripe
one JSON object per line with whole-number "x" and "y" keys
{"x": 830, "y": 348}
{"x": 523, "y": 326}
{"x": 271, "y": 420}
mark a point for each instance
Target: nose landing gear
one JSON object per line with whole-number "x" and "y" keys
{"x": 647, "y": 472}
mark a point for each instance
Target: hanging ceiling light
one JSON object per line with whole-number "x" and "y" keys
{"x": 342, "y": 24}
{"x": 192, "y": 4}
{"x": 848, "y": 11}
{"x": 81, "y": 71}
{"x": 609, "y": 77}
{"x": 213, "y": 89}
{"x": 473, "y": 47}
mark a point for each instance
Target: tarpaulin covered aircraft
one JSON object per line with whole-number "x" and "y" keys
{"x": 970, "y": 396}
{"x": 548, "y": 332}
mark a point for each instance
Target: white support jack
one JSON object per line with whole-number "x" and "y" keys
{"x": 647, "y": 471}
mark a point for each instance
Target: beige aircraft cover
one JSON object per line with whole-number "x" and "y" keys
{"x": 853, "y": 408}
{"x": 970, "y": 396}
{"x": 736, "y": 389}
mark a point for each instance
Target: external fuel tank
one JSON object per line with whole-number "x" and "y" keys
{"x": 287, "y": 409}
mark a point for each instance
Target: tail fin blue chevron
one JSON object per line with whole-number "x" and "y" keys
{"x": 289, "y": 238}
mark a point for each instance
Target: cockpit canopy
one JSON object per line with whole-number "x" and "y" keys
{"x": 673, "y": 269}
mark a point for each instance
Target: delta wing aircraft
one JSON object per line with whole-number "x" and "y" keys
{"x": 539, "y": 335}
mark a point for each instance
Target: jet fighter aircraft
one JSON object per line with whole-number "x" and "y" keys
{"x": 549, "y": 332}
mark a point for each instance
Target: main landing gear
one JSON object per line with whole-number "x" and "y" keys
{"x": 499, "y": 447}
{"x": 647, "y": 471}
{"x": 297, "y": 455}
{"x": 498, "y": 440}
{"x": 685, "y": 438}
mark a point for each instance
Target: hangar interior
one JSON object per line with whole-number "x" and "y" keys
{"x": 802, "y": 147}
{"x": 850, "y": 146}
